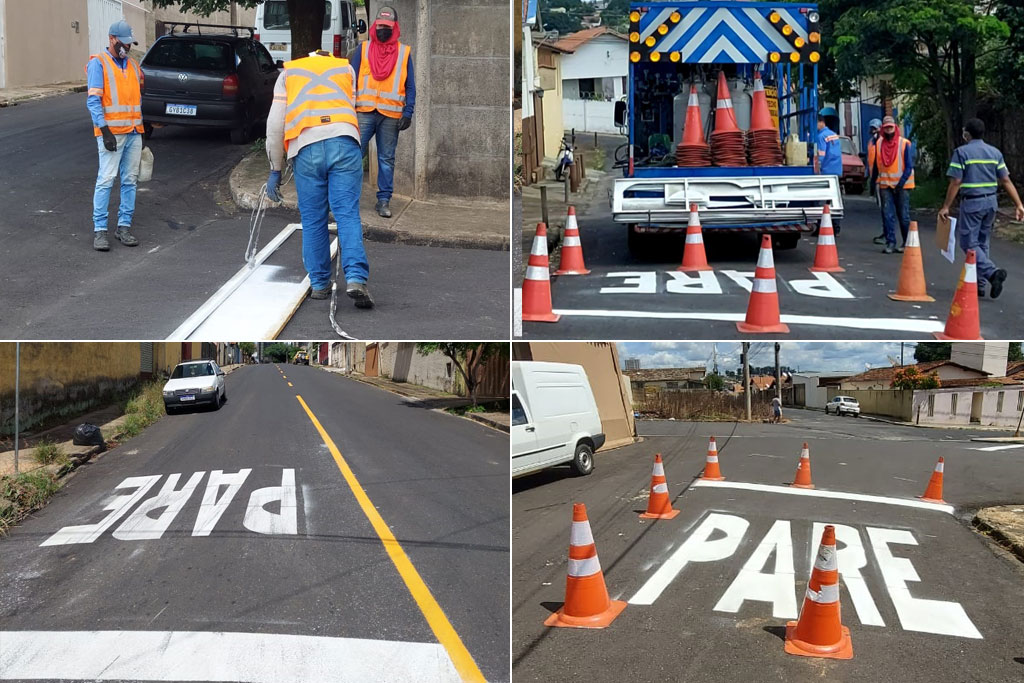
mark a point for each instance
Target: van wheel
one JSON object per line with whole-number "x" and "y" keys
{"x": 583, "y": 461}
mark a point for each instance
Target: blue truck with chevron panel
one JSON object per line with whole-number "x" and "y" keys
{"x": 678, "y": 43}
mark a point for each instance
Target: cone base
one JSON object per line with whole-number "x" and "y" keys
{"x": 906, "y": 297}
{"x": 664, "y": 515}
{"x": 602, "y": 620}
{"x": 757, "y": 329}
{"x": 933, "y": 500}
{"x": 841, "y": 650}
{"x": 944, "y": 336}
{"x": 540, "y": 317}
{"x": 693, "y": 269}
{"x": 580, "y": 271}
{"x": 802, "y": 486}
{"x": 829, "y": 269}
{"x": 712, "y": 478}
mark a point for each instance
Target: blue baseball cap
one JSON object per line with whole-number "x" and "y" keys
{"x": 123, "y": 32}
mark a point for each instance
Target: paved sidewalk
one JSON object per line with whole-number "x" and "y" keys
{"x": 472, "y": 225}
{"x": 11, "y": 96}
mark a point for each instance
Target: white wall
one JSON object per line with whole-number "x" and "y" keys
{"x": 989, "y": 357}
{"x": 990, "y": 416}
{"x": 591, "y": 116}
{"x": 597, "y": 58}
{"x": 814, "y": 396}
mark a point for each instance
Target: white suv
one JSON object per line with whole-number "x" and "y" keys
{"x": 843, "y": 404}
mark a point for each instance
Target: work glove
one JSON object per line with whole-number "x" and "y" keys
{"x": 109, "y": 141}
{"x": 273, "y": 181}
{"x": 404, "y": 123}
{"x": 899, "y": 185}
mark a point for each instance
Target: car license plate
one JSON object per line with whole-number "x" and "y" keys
{"x": 279, "y": 47}
{"x": 188, "y": 397}
{"x": 181, "y": 109}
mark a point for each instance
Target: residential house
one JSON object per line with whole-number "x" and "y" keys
{"x": 810, "y": 389}
{"x": 652, "y": 381}
{"x": 594, "y": 71}
{"x": 548, "y": 57}
{"x": 882, "y": 378}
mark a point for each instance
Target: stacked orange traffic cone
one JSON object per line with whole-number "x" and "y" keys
{"x": 694, "y": 257}
{"x": 711, "y": 470}
{"x": 572, "y": 251}
{"x": 587, "y": 604}
{"x": 693, "y": 150}
{"x": 763, "y": 145}
{"x": 963, "y": 321}
{"x": 803, "y": 470}
{"x": 763, "y": 308}
{"x": 826, "y": 256}
{"x": 537, "y": 284}
{"x": 819, "y": 631}
{"x": 727, "y": 147}
{"x": 659, "y": 506}
{"x": 911, "y": 286}
{"x": 933, "y": 494}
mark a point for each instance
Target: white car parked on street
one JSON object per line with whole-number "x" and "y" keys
{"x": 195, "y": 382}
{"x": 843, "y": 405}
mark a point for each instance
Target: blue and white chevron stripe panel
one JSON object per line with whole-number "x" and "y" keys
{"x": 731, "y": 35}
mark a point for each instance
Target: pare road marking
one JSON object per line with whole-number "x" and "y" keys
{"x": 999, "y": 448}
{"x": 719, "y": 536}
{"x": 706, "y": 282}
{"x": 220, "y": 490}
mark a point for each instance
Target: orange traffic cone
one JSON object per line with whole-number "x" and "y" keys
{"x": 537, "y": 284}
{"x": 911, "y": 286}
{"x": 826, "y": 256}
{"x": 659, "y": 506}
{"x": 711, "y": 470}
{"x": 963, "y": 321}
{"x": 819, "y": 631}
{"x": 933, "y": 494}
{"x": 693, "y": 150}
{"x": 763, "y": 146}
{"x": 694, "y": 257}
{"x": 587, "y": 604}
{"x": 572, "y": 251}
{"x": 727, "y": 140}
{"x": 763, "y": 308}
{"x": 803, "y": 470}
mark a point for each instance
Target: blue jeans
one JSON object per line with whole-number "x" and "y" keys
{"x": 329, "y": 175}
{"x": 973, "y": 229}
{"x": 895, "y": 204}
{"x": 124, "y": 161}
{"x": 386, "y": 130}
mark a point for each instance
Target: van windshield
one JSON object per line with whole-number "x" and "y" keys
{"x": 275, "y": 15}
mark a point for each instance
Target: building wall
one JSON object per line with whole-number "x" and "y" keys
{"x": 814, "y": 396}
{"x": 944, "y": 372}
{"x": 233, "y": 16}
{"x": 400, "y": 362}
{"x": 41, "y": 46}
{"x": 552, "y": 103}
{"x": 598, "y": 58}
{"x": 895, "y": 403}
{"x": 943, "y": 412}
{"x": 987, "y": 356}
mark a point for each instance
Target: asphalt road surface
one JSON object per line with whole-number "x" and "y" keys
{"x": 624, "y": 295}
{"x": 925, "y": 597}
{"x": 281, "y": 575}
{"x": 54, "y": 286}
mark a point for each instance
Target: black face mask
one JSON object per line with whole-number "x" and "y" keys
{"x": 383, "y": 33}
{"x": 889, "y": 135}
{"x": 121, "y": 50}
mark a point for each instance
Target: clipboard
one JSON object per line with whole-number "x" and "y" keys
{"x": 945, "y": 237}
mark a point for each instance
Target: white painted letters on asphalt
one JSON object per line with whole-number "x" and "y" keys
{"x": 635, "y": 283}
{"x": 262, "y": 521}
{"x": 821, "y": 285}
{"x": 213, "y": 507}
{"x": 775, "y": 587}
{"x": 139, "y": 526}
{"x": 852, "y": 559}
{"x": 118, "y": 505}
{"x": 701, "y": 282}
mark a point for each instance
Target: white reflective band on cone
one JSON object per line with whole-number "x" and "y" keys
{"x": 540, "y": 246}
{"x": 725, "y": 104}
{"x": 804, "y": 453}
{"x": 913, "y": 240}
{"x": 765, "y": 260}
{"x": 713, "y": 447}
{"x": 571, "y": 241}
{"x": 758, "y": 85}
{"x": 939, "y": 466}
{"x": 580, "y": 534}
{"x": 712, "y": 458}
{"x": 826, "y": 595}
{"x": 694, "y": 238}
{"x": 826, "y": 558}
{"x": 659, "y": 469}
{"x": 537, "y": 273}
{"x": 764, "y": 286}
{"x": 587, "y": 567}
{"x": 827, "y": 240}
{"x": 570, "y": 222}
{"x": 972, "y": 273}
{"x": 693, "y": 101}
{"x": 694, "y": 219}
{"x": 660, "y": 488}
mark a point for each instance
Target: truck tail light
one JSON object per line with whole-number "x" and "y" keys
{"x": 337, "y": 44}
{"x": 230, "y": 86}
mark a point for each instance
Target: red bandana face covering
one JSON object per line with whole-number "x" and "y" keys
{"x": 888, "y": 150}
{"x": 383, "y": 55}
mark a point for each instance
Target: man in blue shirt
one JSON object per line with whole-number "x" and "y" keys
{"x": 829, "y": 158}
{"x": 976, "y": 172}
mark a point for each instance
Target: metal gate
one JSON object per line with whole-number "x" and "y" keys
{"x": 146, "y": 359}
{"x": 103, "y": 13}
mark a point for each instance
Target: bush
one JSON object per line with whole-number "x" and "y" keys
{"x": 47, "y": 452}
{"x": 143, "y": 409}
{"x": 23, "y": 493}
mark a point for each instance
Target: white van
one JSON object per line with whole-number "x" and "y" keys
{"x": 341, "y": 28}
{"x": 554, "y": 418}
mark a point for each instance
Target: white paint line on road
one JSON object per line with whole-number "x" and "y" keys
{"x": 818, "y": 493}
{"x": 217, "y": 656}
{"x": 887, "y": 324}
{"x": 999, "y": 448}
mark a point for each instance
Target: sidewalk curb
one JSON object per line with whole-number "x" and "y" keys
{"x": 998, "y": 535}
{"x": 245, "y": 198}
{"x": 501, "y": 427}
{"x": 13, "y": 101}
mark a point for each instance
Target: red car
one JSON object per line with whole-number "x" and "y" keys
{"x": 853, "y": 168}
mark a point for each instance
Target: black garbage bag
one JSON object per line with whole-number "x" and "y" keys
{"x": 88, "y": 435}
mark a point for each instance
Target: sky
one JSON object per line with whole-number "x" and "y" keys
{"x": 806, "y": 356}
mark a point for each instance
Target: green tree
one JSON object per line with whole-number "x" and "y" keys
{"x": 1015, "y": 352}
{"x": 926, "y": 352}
{"x": 279, "y": 352}
{"x": 715, "y": 382}
{"x": 468, "y": 358}
{"x": 910, "y": 378}
{"x": 616, "y": 15}
{"x": 306, "y": 18}
{"x": 563, "y": 15}
{"x": 247, "y": 349}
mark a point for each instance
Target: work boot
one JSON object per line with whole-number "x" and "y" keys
{"x": 124, "y": 233}
{"x": 100, "y": 241}
{"x": 880, "y": 240}
{"x": 889, "y": 248}
{"x": 359, "y": 292}
{"x": 996, "y": 282}
{"x": 321, "y": 293}
{"x": 383, "y": 209}
{"x": 900, "y": 248}
{"x": 981, "y": 291}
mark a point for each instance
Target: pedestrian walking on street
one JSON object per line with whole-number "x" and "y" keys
{"x": 385, "y": 99}
{"x": 115, "y": 105}
{"x": 776, "y": 410}
{"x": 875, "y": 128}
{"x": 894, "y": 160}
{"x": 313, "y": 120}
{"x": 976, "y": 172}
{"x": 829, "y": 157}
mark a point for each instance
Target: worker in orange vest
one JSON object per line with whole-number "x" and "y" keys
{"x": 313, "y": 120}
{"x": 894, "y": 161}
{"x": 115, "y": 105}
{"x": 875, "y": 130}
{"x": 385, "y": 98}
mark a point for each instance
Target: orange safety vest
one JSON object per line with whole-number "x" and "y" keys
{"x": 320, "y": 91}
{"x": 387, "y": 96}
{"x": 889, "y": 176}
{"x": 121, "y": 95}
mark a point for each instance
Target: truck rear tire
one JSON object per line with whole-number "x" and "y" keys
{"x": 786, "y": 241}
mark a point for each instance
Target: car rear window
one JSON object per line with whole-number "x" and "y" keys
{"x": 275, "y": 15}
{"x": 191, "y": 54}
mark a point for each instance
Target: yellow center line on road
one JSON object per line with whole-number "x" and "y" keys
{"x": 289, "y": 384}
{"x": 439, "y": 624}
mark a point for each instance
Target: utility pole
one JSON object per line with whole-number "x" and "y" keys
{"x": 1021, "y": 419}
{"x": 714, "y": 358}
{"x": 778, "y": 372}
{"x": 17, "y": 401}
{"x": 901, "y": 354}
{"x": 747, "y": 377}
